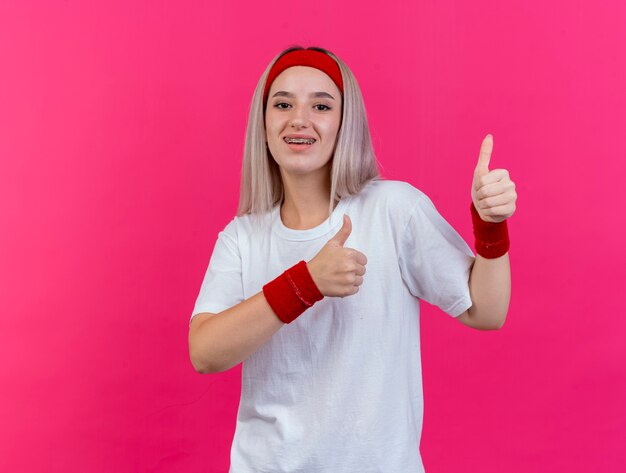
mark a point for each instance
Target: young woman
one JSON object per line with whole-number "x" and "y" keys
{"x": 331, "y": 378}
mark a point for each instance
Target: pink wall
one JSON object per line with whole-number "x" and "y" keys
{"x": 121, "y": 131}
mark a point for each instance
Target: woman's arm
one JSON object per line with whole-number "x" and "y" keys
{"x": 490, "y": 289}
{"x": 493, "y": 198}
{"x": 217, "y": 342}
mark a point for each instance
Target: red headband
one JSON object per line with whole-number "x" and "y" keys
{"x": 304, "y": 57}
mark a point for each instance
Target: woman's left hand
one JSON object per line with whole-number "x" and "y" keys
{"x": 493, "y": 192}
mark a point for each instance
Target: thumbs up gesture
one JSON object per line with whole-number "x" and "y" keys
{"x": 338, "y": 271}
{"x": 493, "y": 192}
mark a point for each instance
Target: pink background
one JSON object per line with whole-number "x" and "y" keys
{"x": 121, "y": 134}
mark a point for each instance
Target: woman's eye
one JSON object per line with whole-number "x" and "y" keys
{"x": 280, "y": 105}
{"x": 324, "y": 107}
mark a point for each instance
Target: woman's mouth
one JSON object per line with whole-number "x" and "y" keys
{"x": 299, "y": 144}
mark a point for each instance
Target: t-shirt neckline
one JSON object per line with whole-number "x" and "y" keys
{"x": 335, "y": 220}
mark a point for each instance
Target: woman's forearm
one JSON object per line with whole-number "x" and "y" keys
{"x": 490, "y": 289}
{"x": 228, "y": 338}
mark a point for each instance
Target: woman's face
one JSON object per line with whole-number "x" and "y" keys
{"x": 302, "y": 119}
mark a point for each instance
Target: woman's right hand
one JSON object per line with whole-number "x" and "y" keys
{"x": 338, "y": 271}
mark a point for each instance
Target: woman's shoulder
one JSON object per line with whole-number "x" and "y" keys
{"x": 398, "y": 193}
{"x": 252, "y": 225}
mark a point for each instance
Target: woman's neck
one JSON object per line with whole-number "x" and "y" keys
{"x": 305, "y": 204}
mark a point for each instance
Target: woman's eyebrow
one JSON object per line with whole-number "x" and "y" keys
{"x": 324, "y": 95}
{"x": 282, "y": 93}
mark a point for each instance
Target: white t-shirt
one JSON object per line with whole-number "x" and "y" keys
{"x": 339, "y": 390}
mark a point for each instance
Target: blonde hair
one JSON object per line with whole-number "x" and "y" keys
{"x": 353, "y": 163}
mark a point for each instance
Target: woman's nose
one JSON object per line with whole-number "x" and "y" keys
{"x": 300, "y": 117}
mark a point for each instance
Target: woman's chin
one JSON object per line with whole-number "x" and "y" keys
{"x": 300, "y": 171}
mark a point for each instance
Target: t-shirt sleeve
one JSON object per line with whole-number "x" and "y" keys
{"x": 222, "y": 286}
{"x": 435, "y": 261}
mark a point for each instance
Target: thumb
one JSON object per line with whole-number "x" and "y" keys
{"x": 484, "y": 156}
{"x": 344, "y": 232}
